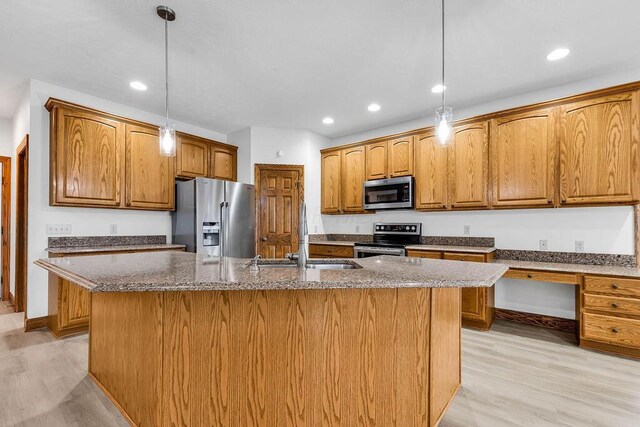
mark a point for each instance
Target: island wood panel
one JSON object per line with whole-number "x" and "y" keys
{"x": 352, "y": 180}
{"x": 149, "y": 176}
{"x": 468, "y": 166}
{"x": 600, "y": 150}
{"x": 523, "y": 159}
{"x": 192, "y": 157}
{"x": 431, "y": 173}
{"x": 376, "y": 158}
{"x": 331, "y": 181}
{"x": 86, "y": 158}
{"x": 224, "y": 162}
{"x": 302, "y": 357}
{"x": 125, "y": 352}
{"x": 400, "y": 156}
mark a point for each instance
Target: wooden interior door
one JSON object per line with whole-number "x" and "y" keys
{"x": 22, "y": 197}
{"x": 5, "y": 221}
{"x": 280, "y": 190}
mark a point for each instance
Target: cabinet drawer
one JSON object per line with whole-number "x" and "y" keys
{"x": 424, "y": 254}
{"x": 614, "y": 305}
{"x": 331, "y": 251}
{"x": 614, "y": 330}
{"x": 542, "y": 276}
{"x": 612, "y": 285}
{"x": 464, "y": 257}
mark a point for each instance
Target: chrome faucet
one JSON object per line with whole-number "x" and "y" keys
{"x": 303, "y": 232}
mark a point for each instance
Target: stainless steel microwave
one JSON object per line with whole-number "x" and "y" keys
{"x": 392, "y": 193}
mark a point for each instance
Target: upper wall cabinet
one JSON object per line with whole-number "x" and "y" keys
{"x": 523, "y": 159}
{"x": 468, "y": 166}
{"x": 86, "y": 157}
{"x": 223, "y": 161}
{"x": 353, "y": 177}
{"x": 376, "y": 158}
{"x": 330, "y": 181}
{"x": 599, "y": 150}
{"x": 431, "y": 172}
{"x": 149, "y": 176}
{"x": 192, "y": 156}
{"x": 400, "y": 155}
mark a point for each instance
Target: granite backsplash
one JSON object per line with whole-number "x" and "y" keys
{"x": 583, "y": 258}
{"x": 80, "y": 241}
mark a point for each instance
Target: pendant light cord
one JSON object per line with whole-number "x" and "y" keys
{"x": 166, "y": 69}
{"x": 443, "y": 84}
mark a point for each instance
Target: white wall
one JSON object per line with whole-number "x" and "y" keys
{"x": 604, "y": 229}
{"x": 6, "y": 137}
{"x": 84, "y": 221}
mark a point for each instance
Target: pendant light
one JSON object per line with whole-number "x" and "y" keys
{"x": 167, "y": 137}
{"x": 444, "y": 114}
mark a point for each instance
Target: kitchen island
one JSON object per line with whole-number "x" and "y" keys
{"x": 182, "y": 339}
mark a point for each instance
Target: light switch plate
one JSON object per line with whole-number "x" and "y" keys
{"x": 58, "y": 229}
{"x": 543, "y": 245}
{"x": 579, "y": 245}
{"x": 467, "y": 230}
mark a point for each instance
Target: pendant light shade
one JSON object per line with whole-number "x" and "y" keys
{"x": 167, "y": 133}
{"x": 444, "y": 114}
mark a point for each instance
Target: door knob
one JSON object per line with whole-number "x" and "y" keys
{"x": 264, "y": 239}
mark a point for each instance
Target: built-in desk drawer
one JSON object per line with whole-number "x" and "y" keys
{"x": 613, "y": 286}
{"x": 542, "y": 276}
{"x": 464, "y": 257}
{"x": 609, "y": 329}
{"x": 611, "y": 304}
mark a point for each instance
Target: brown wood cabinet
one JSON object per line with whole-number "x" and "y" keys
{"x": 331, "y": 182}
{"x": 523, "y": 159}
{"x": 431, "y": 173}
{"x": 376, "y": 159}
{"x": 599, "y": 150}
{"x": 330, "y": 251}
{"x": 224, "y": 159}
{"x": 469, "y": 166}
{"x": 400, "y": 155}
{"x": 149, "y": 177}
{"x": 352, "y": 179}
{"x": 192, "y": 157}
{"x": 477, "y": 303}
{"x": 86, "y": 157}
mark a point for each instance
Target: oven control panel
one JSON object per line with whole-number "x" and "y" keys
{"x": 397, "y": 228}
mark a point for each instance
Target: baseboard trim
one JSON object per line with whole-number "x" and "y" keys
{"x": 36, "y": 323}
{"x": 12, "y": 299}
{"x": 540, "y": 320}
{"x": 610, "y": 348}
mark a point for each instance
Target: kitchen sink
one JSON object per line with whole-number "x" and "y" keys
{"x": 316, "y": 264}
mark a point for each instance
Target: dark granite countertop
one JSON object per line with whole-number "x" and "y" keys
{"x": 604, "y": 270}
{"x": 116, "y": 248}
{"x": 439, "y": 248}
{"x": 175, "y": 271}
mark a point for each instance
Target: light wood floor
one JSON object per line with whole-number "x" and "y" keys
{"x": 512, "y": 376}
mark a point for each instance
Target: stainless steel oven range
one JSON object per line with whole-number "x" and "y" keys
{"x": 389, "y": 239}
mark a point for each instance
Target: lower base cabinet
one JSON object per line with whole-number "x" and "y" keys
{"x": 330, "y": 251}
{"x": 477, "y": 303}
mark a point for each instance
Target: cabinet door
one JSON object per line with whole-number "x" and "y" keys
{"x": 400, "y": 153}
{"x": 599, "y": 150}
{"x": 523, "y": 152}
{"x": 353, "y": 175}
{"x": 224, "y": 162}
{"x": 74, "y": 305}
{"x": 86, "y": 158}
{"x": 149, "y": 176}
{"x": 377, "y": 160}
{"x": 431, "y": 173}
{"x": 474, "y": 300}
{"x": 469, "y": 164}
{"x": 330, "y": 165}
{"x": 192, "y": 157}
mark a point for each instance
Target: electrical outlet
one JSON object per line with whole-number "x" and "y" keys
{"x": 579, "y": 245}
{"x": 58, "y": 229}
{"x": 113, "y": 228}
{"x": 467, "y": 230}
{"x": 357, "y": 229}
{"x": 543, "y": 245}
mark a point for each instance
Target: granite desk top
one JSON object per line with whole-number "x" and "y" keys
{"x": 181, "y": 271}
{"x": 113, "y": 248}
{"x": 604, "y": 270}
{"x": 439, "y": 248}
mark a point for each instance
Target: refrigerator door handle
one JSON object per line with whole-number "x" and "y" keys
{"x": 227, "y": 241}
{"x": 223, "y": 234}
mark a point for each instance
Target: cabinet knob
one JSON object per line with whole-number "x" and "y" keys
{"x": 614, "y": 304}
{"x": 614, "y": 330}
{"x": 614, "y": 286}
{"x": 529, "y": 275}
{"x": 264, "y": 239}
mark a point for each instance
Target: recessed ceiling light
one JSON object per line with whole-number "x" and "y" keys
{"x": 438, "y": 88}
{"x": 138, "y": 85}
{"x": 327, "y": 120}
{"x": 558, "y": 53}
{"x": 374, "y": 107}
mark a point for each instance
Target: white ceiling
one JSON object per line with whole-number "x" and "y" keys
{"x": 289, "y": 63}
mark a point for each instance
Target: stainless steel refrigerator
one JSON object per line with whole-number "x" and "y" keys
{"x": 215, "y": 217}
